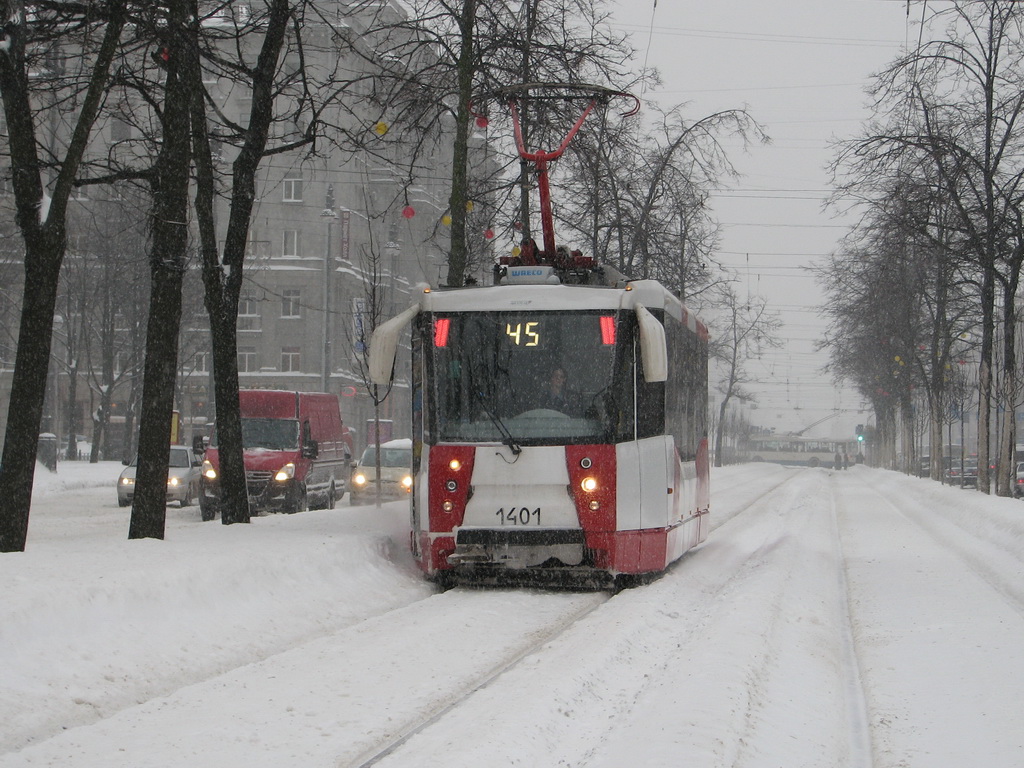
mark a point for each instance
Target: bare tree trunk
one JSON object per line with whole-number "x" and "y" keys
{"x": 222, "y": 282}
{"x": 41, "y": 219}
{"x": 985, "y": 379}
{"x": 458, "y": 254}
{"x": 1006, "y": 463}
{"x": 167, "y": 267}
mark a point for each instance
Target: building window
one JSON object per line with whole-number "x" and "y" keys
{"x": 290, "y": 242}
{"x": 293, "y": 190}
{"x": 120, "y": 130}
{"x": 247, "y": 361}
{"x": 290, "y": 298}
{"x": 201, "y": 362}
{"x": 248, "y": 313}
{"x": 290, "y": 360}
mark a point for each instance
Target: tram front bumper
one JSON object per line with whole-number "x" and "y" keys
{"x": 517, "y": 548}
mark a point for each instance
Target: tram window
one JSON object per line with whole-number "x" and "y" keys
{"x": 686, "y": 406}
{"x": 650, "y": 404}
{"x": 491, "y": 372}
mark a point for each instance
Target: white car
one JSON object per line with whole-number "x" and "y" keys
{"x": 183, "y": 473}
{"x": 395, "y": 470}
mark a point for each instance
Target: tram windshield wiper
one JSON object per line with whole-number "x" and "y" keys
{"x": 506, "y": 434}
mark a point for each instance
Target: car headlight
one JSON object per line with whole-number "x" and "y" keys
{"x": 208, "y": 471}
{"x": 407, "y": 482}
{"x": 127, "y": 481}
{"x": 173, "y": 481}
{"x": 359, "y": 479}
{"x": 287, "y": 472}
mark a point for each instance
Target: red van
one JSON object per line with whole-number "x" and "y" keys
{"x": 296, "y": 452}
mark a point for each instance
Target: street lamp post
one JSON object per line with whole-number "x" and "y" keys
{"x": 329, "y": 215}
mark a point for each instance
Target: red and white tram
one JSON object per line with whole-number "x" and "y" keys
{"x": 607, "y": 477}
{"x": 559, "y": 420}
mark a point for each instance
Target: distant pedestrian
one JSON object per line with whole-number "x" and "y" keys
{"x": 846, "y": 461}
{"x": 838, "y": 462}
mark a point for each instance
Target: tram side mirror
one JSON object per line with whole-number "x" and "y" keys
{"x": 384, "y": 345}
{"x": 653, "y": 349}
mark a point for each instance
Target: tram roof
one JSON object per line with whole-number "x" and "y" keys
{"x": 496, "y": 298}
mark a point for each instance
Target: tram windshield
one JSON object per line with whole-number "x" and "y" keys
{"x": 533, "y": 377}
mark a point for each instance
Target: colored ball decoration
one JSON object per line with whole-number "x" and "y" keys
{"x": 408, "y": 212}
{"x": 380, "y": 128}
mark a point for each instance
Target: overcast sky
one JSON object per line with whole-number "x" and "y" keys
{"x": 800, "y": 67}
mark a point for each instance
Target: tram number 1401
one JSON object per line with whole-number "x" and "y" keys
{"x": 519, "y": 516}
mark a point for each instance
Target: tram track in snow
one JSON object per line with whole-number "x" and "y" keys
{"x": 754, "y": 536}
{"x": 858, "y": 714}
{"x": 748, "y": 578}
{"x": 416, "y": 725}
{"x": 423, "y": 720}
{"x": 986, "y": 556}
{"x": 784, "y": 640}
{"x": 406, "y": 731}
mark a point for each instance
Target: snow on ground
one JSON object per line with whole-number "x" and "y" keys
{"x": 856, "y": 618}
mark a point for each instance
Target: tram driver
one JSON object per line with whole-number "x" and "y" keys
{"x": 557, "y": 396}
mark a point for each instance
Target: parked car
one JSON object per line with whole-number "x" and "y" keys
{"x": 395, "y": 471}
{"x": 969, "y": 478}
{"x": 183, "y": 472}
{"x": 924, "y": 468}
{"x": 1018, "y": 487}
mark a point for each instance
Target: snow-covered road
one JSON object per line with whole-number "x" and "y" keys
{"x": 855, "y": 618}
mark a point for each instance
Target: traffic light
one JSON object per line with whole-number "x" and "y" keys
{"x": 860, "y": 433}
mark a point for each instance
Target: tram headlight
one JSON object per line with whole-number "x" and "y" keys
{"x": 589, "y": 484}
{"x": 208, "y": 471}
{"x": 407, "y": 482}
{"x": 359, "y": 479}
{"x": 287, "y": 472}
{"x": 455, "y": 465}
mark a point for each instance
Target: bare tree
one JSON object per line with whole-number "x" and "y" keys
{"x": 455, "y": 50}
{"x": 42, "y": 185}
{"x": 168, "y": 255}
{"x": 956, "y": 103}
{"x": 747, "y": 329}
